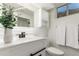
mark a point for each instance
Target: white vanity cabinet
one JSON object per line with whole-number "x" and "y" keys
{"x": 24, "y": 48}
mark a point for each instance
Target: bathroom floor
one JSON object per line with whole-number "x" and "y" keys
{"x": 69, "y": 51}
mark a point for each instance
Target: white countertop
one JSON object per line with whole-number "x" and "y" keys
{"x": 21, "y": 41}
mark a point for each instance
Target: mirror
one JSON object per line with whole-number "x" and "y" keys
{"x": 24, "y": 17}
{"x": 23, "y": 22}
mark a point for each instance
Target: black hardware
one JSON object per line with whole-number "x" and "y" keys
{"x": 32, "y": 54}
{"x": 22, "y": 35}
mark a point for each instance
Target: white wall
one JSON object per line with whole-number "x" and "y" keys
{"x": 37, "y": 18}
{"x": 52, "y": 22}
{"x": 41, "y": 22}
{"x": 67, "y": 20}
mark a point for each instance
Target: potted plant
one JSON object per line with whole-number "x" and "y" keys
{"x": 8, "y": 21}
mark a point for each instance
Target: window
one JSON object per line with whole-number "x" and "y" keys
{"x": 61, "y": 11}
{"x": 67, "y": 9}
{"x": 73, "y": 8}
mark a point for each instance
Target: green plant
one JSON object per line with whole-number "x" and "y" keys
{"x": 7, "y": 18}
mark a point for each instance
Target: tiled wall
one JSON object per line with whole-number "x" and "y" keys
{"x": 41, "y": 31}
{"x": 18, "y": 30}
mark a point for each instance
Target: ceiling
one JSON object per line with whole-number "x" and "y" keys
{"x": 14, "y": 5}
{"x": 46, "y": 6}
{"x": 59, "y": 4}
{"x": 19, "y": 8}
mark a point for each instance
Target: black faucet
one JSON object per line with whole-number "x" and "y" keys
{"x": 22, "y": 35}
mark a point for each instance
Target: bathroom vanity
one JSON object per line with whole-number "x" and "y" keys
{"x": 25, "y": 47}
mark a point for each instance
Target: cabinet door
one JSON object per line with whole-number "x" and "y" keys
{"x": 60, "y": 34}
{"x": 24, "y": 49}
{"x": 72, "y": 35}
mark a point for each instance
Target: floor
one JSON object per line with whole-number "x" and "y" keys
{"x": 69, "y": 51}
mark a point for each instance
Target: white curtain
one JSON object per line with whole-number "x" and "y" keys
{"x": 60, "y": 34}
{"x": 72, "y": 35}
